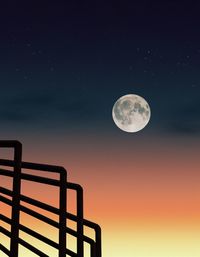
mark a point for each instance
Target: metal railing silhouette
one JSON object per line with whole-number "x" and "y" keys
{"x": 14, "y": 197}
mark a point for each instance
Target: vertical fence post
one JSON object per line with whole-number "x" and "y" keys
{"x": 98, "y": 241}
{"x": 80, "y": 246}
{"x": 62, "y": 214}
{"x": 16, "y": 200}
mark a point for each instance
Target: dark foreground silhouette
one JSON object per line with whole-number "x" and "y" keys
{"x": 14, "y": 169}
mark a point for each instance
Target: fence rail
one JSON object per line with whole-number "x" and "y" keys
{"x": 14, "y": 199}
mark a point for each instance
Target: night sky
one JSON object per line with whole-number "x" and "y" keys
{"x": 63, "y": 64}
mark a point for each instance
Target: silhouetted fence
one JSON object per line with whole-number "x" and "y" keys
{"x": 14, "y": 169}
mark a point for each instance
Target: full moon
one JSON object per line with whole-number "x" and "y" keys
{"x": 131, "y": 113}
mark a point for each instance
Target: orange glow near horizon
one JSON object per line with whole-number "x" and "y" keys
{"x": 146, "y": 198}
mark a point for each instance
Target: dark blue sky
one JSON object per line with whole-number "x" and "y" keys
{"x": 65, "y": 63}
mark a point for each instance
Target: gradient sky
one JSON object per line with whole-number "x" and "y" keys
{"x": 63, "y": 64}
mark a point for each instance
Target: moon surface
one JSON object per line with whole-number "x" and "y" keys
{"x": 131, "y": 113}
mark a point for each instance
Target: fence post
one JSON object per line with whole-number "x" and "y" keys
{"x": 62, "y": 214}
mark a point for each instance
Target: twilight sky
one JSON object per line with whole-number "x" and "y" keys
{"x": 63, "y": 64}
{"x": 66, "y": 64}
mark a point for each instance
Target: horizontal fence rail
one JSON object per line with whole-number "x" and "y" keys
{"x": 8, "y": 197}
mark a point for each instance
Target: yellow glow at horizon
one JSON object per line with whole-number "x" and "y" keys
{"x": 143, "y": 243}
{"x": 137, "y": 238}
{"x": 152, "y": 243}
